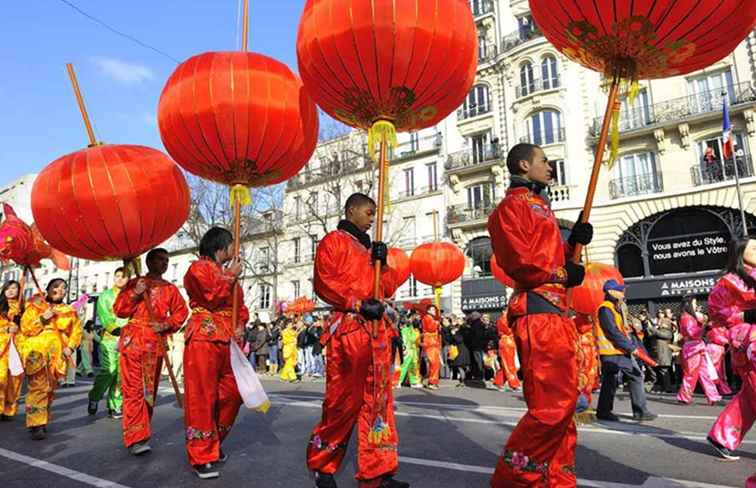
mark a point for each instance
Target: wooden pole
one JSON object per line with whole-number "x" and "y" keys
{"x": 80, "y": 101}
{"x": 382, "y": 174}
{"x": 603, "y": 136}
{"x": 237, "y": 252}
{"x": 245, "y": 26}
{"x": 435, "y": 225}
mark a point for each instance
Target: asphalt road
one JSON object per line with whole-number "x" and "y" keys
{"x": 449, "y": 438}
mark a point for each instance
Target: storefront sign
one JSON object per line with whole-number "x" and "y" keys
{"x": 685, "y": 254}
{"x": 483, "y": 294}
{"x": 484, "y": 303}
{"x": 652, "y": 288}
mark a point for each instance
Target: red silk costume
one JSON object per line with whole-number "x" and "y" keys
{"x": 142, "y": 348}
{"x": 431, "y": 342}
{"x": 587, "y": 357}
{"x": 358, "y": 374}
{"x": 211, "y": 396}
{"x": 525, "y": 237}
{"x": 507, "y": 354}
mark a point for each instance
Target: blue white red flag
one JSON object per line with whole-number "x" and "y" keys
{"x": 728, "y": 141}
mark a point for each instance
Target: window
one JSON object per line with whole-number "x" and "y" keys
{"x": 549, "y": 75}
{"x": 409, "y": 181}
{"x": 560, "y": 177}
{"x": 313, "y": 245}
{"x": 414, "y": 141}
{"x": 527, "y": 82}
{"x": 297, "y": 243}
{"x": 264, "y": 260}
{"x": 480, "y": 251}
{"x": 480, "y": 197}
{"x": 526, "y": 27}
{"x": 637, "y": 114}
{"x": 412, "y": 286}
{"x": 409, "y": 232}
{"x": 706, "y": 91}
{"x": 713, "y": 168}
{"x": 295, "y": 288}
{"x": 432, "y": 177}
{"x": 636, "y": 175}
{"x": 174, "y": 272}
{"x": 477, "y": 101}
{"x": 483, "y": 48}
{"x": 297, "y": 207}
{"x": 480, "y": 148}
{"x": 264, "y": 301}
{"x": 545, "y": 127}
{"x": 312, "y": 202}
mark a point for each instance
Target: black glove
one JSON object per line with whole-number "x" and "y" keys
{"x": 116, "y": 332}
{"x": 372, "y": 309}
{"x": 582, "y": 232}
{"x": 575, "y": 274}
{"x": 379, "y": 252}
{"x": 749, "y": 316}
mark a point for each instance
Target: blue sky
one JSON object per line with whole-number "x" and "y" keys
{"x": 121, "y": 81}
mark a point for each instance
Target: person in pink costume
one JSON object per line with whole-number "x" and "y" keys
{"x": 732, "y": 304}
{"x": 717, "y": 342}
{"x": 697, "y": 365}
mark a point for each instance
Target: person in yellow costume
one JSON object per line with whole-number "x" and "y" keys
{"x": 52, "y": 332}
{"x": 289, "y": 340}
{"x": 10, "y": 386}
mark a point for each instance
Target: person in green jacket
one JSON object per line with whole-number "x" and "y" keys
{"x": 411, "y": 363}
{"x": 108, "y": 379}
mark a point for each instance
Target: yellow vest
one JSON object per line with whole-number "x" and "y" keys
{"x": 605, "y": 346}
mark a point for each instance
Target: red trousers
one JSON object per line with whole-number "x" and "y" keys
{"x": 358, "y": 391}
{"x": 507, "y": 352}
{"x": 540, "y": 451}
{"x": 211, "y": 399}
{"x": 140, "y": 375}
{"x": 433, "y": 353}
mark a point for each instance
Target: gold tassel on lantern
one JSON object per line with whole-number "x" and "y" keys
{"x": 383, "y": 130}
{"x": 240, "y": 193}
{"x": 437, "y": 292}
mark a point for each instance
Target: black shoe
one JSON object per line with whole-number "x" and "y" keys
{"x": 38, "y": 433}
{"x": 607, "y": 416}
{"x": 323, "y": 480}
{"x": 722, "y": 450}
{"x": 206, "y": 471}
{"x": 390, "y": 482}
{"x": 223, "y": 457}
{"x": 115, "y": 414}
{"x": 92, "y": 407}
{"x": 645, "y": 416}
{"x": 139, "y": 448}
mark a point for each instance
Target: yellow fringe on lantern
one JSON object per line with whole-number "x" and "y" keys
{"x": 240, "y": 193}
{"x": 437, "y": 292}
{"x": 614, "y": 137}
{"x": 381, "y": 131}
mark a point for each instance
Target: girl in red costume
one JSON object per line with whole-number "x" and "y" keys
{"x": 431, "y": 342}
{"x": 508, "y": 355}
{"x": 211, "y": 395}
{"x": 358, "y": 370}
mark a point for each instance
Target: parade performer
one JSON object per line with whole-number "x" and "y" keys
{"x": 431, "y": 342}
{"x": 528, "y": 246}
{"x": 358, "y": 371}
{"x": 619, "y": 356}
{"x": 10, "y": 317}
{"x": 508, "y": 354}
{"x": 717, "y": 342}
{"x": 732, "y": 304}
{"x": 52, "y": 332}
{"x": 108, "y": 379}
{"x": 155, "y": 309}
{"x": 289, "y": 345}
{"x": 697, "y": 365}
{"x": 587, "y": 368}
{"x": 212, "y": 398}
{"x": 411, "y": 356}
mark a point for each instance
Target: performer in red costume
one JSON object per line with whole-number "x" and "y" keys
{"x": 155, "y": 309}
{"x": 529, "y": 248}
{"x": 431, "y": 342}
{"x": 507, "y": 355}
{"x": 212, "y": 398}
{"x": 358, "y": 372}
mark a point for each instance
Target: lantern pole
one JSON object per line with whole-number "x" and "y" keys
{"x": 603, "y": 136}
{"x": 245, "y": 26}
{"x": 436, "y": 289}
{"x": 382, "y": 172}
{"x": 82, "y": 108}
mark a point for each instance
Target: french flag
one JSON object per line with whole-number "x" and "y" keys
{"x": 728, "y": 141}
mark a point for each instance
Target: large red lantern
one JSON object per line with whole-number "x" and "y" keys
{"x": 499, "y": 273}
{"x": 436, "y": 264}
{"x": 400, "y": 263}
{"x": 112, "y": 201}
{"x": 587, "y": 297}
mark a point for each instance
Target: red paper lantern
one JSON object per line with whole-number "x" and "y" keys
{"x": 587, "y": 297}
{"x": 437, "y": 263}
{"x": 399, "y": 262}
{"x": 499, "y": 273}
{"x": 110, "y": 201}
{"x": 237, "y": 118}
{"x": 410, "y": 62}
{"x": 647, "y": 39}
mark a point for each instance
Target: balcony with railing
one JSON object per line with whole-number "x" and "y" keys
{"x": 636, "y": 185}
{"x": 469, "y": 158}
{"x": 328, "y": 171}
{"x": 558, "y": 193}
{"x": 538, "y": 85}
{"x": 487, "y": 53}
{"x": 415, "y": 147}
{"x": 519, "y": 37}
{"x": 481, "y": 7}
{"x": 460, "y": 215}
{"x": 679, "y": 109}
{"x": 465, "y": 113}
{"x": 718, "y": 171}
{"x": 554, "y": 136}
{"x": 416, "y": 192}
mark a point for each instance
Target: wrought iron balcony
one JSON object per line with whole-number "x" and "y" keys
{"x": 473, "y": 111}
{"x": 545, "y": 137}
{"x": 679, "y": 109}
{"x": 538, "y": 85}
{"x": 717, "y": 171}
{"x": 514, "y": 39}
{"x": 487, "y": 53}
{"x": 462, "y": 214}
{"x": 472, "y": 157}
{"x": 481, "y": 7}
{"x": 409, "y": 149}
{"x": 641, "y": 184}
{"x": 416, "y": 192}
{"x": 326, "y": 172}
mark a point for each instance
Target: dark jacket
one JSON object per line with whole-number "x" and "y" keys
{"x": 617, "y": 338}
{"x": 259, "y": 344}
{"x": 661, "y": 338}
{"x": 478, "y": 336}
{"x": 273, "y": 335}
{"x": 314, "y": 332}
{"x": 463, "y": 358}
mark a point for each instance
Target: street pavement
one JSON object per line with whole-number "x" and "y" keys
{"x": 449, "y": 438}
